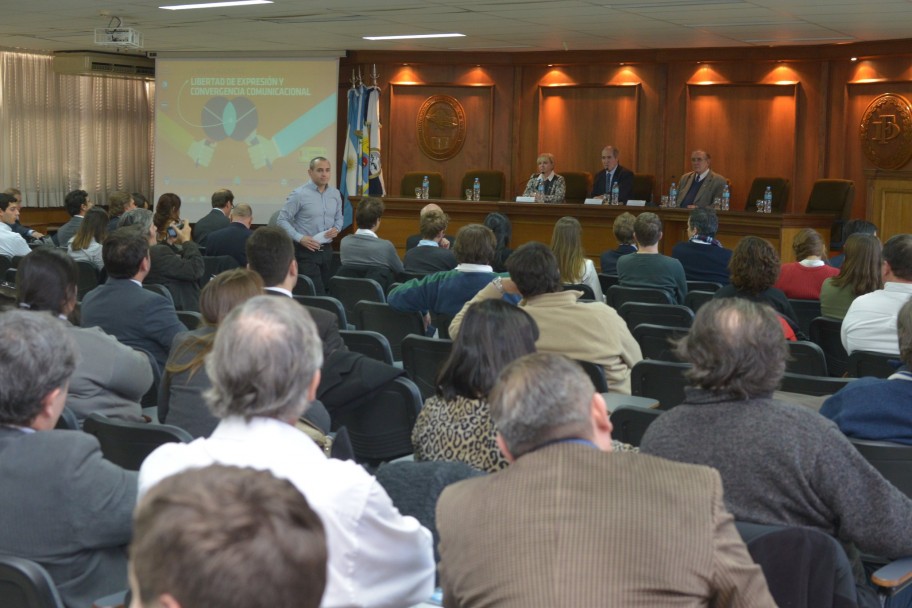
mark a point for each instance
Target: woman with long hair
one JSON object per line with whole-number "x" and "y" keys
{"x": 860, "y": 274}
{"x": 575, "y": 267}
{"x": 503, "y": 231}
{"x": 176, "y": 260}
{"x": 85, "y": 246}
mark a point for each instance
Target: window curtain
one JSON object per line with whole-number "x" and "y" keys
{"x": 60, "y": 133}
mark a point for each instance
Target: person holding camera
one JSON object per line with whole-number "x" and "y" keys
{"x": 176, "y": 260}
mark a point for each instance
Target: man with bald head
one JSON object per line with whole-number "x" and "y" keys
{"x": 699, "y": 187}
{"x": 612, "y": 173}
{"x": 411, "y": 242}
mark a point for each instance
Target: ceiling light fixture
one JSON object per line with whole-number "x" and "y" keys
{"x": 411, "y": 36}
{"x": 183, "y": 7}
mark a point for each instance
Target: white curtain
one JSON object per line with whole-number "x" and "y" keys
{"x": 61, "y": 133}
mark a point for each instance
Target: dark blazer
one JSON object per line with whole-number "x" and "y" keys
{"x": 67, "y": 508}
{"x": 624, "y": 179}
{"x": 425, "y": 260}
{"x": 609, "y": 259}
{"x": 711, "y": 188}
{"x": 703, "y": 262}
{"x": 180, "y": 270}
{"x": 135, "y": 316}
{"x": 230, "y": 240}
{"x": 68, "y": 231}
{"x": 327, "y": 326}
{"x": 212, "y": 221}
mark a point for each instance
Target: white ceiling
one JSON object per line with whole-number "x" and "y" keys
{"x": 489, "y": 25}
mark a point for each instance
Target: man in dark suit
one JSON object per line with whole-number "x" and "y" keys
{"x": 412, "y": 241}
{"x": 570, "y": 524}
{"x": 701, "y": 186}
{"x": 135, "y": 316}
{"x": 703, "y": 256}
{"x": 61, "y": 504}
{"x": 216, "y": 219}
{"x": 612, "y": 173}
{"x": 232, "y": 239}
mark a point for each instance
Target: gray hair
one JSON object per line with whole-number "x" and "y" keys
{"x": 539, "y": 398}
{"x": 264, "y": 358}
{"x": 736, "y": 346}
{"x": 137, "y": 217}
{"x": 37, "y": 355}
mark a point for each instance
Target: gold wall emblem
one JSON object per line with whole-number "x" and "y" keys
{"x": 886, "y": 131}
{"x": 441, "y": 127}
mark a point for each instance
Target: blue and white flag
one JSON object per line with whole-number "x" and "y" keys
{"x": 372, "y": 128}
{"x": 350, "y": 179}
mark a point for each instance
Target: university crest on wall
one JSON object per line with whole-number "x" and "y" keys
{"x": 886, "y": 131}
{"x": 441, "y": 127}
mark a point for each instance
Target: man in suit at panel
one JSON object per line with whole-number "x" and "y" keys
{"x": 570, "y": 524}
{"x": 232, "y": 239}
{"x": 610, "y": 174}
{"x": 216, "y": 219}
{"x": 699, "y": 187}
{"x": 137, "y": 317}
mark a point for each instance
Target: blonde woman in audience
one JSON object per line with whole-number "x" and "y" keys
{"x": 575, "y": 267}
{"x": 860, "y": 274}
{"x": 85, "y": 246}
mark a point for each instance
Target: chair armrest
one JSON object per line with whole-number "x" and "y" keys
{"x": 894, "y": 576}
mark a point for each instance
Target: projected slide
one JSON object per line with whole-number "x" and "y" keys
{"x": 248, "y": 125}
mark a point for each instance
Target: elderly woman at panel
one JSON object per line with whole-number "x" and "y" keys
{"x": 860, "y": 274}
{"x": 575, "y": 267}
{"x": 85, "y": 246}
{"x": 546, "y": 182}
{"x": 176, "y": 260}
{"x": 181, "y": 396}
{"x": 110, "y": 377}
{"x": 802, "y": 279}
{"x": 503, "y": 231}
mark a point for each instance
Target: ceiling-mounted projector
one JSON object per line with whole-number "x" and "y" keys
{"x": 122, "y": 37}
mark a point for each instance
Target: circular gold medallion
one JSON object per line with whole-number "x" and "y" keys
{"x": 441, "y": 127}
{"x": 886, "y": 131}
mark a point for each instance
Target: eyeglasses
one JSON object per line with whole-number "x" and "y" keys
{"x": 697, "y": 160}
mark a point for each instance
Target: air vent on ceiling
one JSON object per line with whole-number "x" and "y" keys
{"x": 104, "y": 64}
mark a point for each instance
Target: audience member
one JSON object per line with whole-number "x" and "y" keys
{"x": 141, "y": 201}
{"x": 554, "y": 188}
{"x": 411, "y": 242}
{"x": 232, "y": 239}
{"x": 612, "y": 173}
{"x": 583, "y": 331}
{"x": 570, "y": 524}
{"x": 119, "y": 202}
{"x": 77, "y": 203}
{"x": 364, "y": 249}
{"x": 216, "y": 219}
{"x": 142, "y": 219}
{"x": 859, "y": 274}
{"x": 852, "y": 227}
{"x": 227, "y": 537}
{"x": 870, "y": 323}
{"x": 85, "y": 246}
{"x": 575, "y": 267}
{"x": 623, "y": 232}
{"x": 135, "y": 316}
{"x": 702, "y": 255}
{"x": 801, "y": 280}
{"x": 11, "y": 243}
{"x": 176, "y": 260}
{"x": 781, "y": 464}
{"x": 429, "y": 256}
{"x": 62, "y": 504}
{"x": 649, "y": 268}
{"x": 25, "y": 231}
{"x": 185, "y": 379}
{"x": 503, "y": 232}
{"x": 264, "y": 368}
{"x": 110, "y": 378}
{"x": 702, "y": 186}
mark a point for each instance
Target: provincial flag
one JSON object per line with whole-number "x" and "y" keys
{"x": 372, "y": 126}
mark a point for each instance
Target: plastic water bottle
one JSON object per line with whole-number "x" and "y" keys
{"x": 673, "y": 195}
{"x": 615, "y": 194}
{"x": 540, "y": 196}
{"x": 726, "y": 198}
{"x": 476, "y": 190}
{"x": 768, "y": 200}
{"x": 425, "y": 187}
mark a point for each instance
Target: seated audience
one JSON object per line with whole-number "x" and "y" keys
{"x": 570, "y": 524}
{"x": 85, "y": 246}
{"x": 11, "y": 243}
{"x": 870, "y": 322}
{"x": 185, "y": 379}
{"x": 119, "y": 202}
{"x": 503, "y": 231}
{"x": 264, "y": 368}
{"x": 575, "y": 267}
{"x": 364, "y": 249}
{"x": 232, "y": 239}
{"x": 141, "y": 201}
{"x": 227, "y": 537}
{"x": 801, "y": 280}
{"x": 110, "y": 378}
{"x": 852, "y": 227}
{"x": 29, "y": 234}
{"x": 216, "y": 219}
{"x": 61, "y": 504}
{"x": 585, "y": 331}
{"x": 623, "y": 232}
{"x": 77, "y": 204}
{"x": 702, "y": 256}
{"x": 412, "y": 241}
{"x": 176, "y": 260}
{"x": 781, "y": 463}
{"x": 430, "y": 255}
{"x": 874, "y": 408}
{"x": 135, "y": 316}
{"x": 455, "y": 424}
{"x": 860, "y": 274}
{"x": 554, "y": 186}
{"x": 649, "y": 268}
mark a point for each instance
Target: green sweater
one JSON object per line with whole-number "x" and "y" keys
{"x": 655, "y": 271}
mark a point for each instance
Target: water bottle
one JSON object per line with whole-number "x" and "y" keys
{"x": 726, "y": 198}
{"x": 476, "y": 190}
{"x": 768, "y": 200}
{"x": 673, "y": 195}
{"x": 540, "y": 196}
{"x": 615, "y": 194}
{"x": 425, "y": 187}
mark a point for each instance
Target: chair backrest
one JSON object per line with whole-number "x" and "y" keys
{"x": 128, "y": 443}
{"x": 656, "y": 340}
{"x": 369, "y": 343}
{"x": 780, "y": 190}
{"x": 892, "y": 460}
{"x": 86, "y": 278}
{"x": 695, "y": 299}
{"x": 191, "y": 319}
{"x": 10, "y": 276}
{"x": 816, "y": 386}
{"x": 67, "y": 420}
{"x": 805, "y": 358}
{"x": 672, "y": 315}
{"x": 616, "y": 295}
{"x": 14, "y": 261}
{"x": 6, "y": 263}
{"x": 422, "y": 359}
{"x": 327, "y": 303}
{"x": 442, "y": 322}
{"x": 160, "y": 290}
{"x": 596, "y": 374}
{"x": 350, "y": 291}
{"x": 630, "y": 423}
{"x": 304, "y": 287}
{"x": 661, "y": 380}
{"x": 588, "y": 294}
{"x": 25, "y": 584}
{"x": 383, "y": 431}
{"x": 607, "y": 280}
{"x": 150, "y": 399}
{"x": 392, "y": 323}
{"x": 807, "y": 311}
{"x": 413, "y": 179}
{"x": 832, "y": 196}
{"x": 709, "y": 286}
{"x": 493, "y": 184}
{"x": 579, "y": 185}
{"x": 865, "y": 363}
{"x": 825, "y": 333}
{"x": 643, "y": 187}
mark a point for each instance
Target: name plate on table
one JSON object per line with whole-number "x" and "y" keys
{"x": 525, "y": 199}
{"x": 593, "y": 201}
{"x": 636, "y": 203}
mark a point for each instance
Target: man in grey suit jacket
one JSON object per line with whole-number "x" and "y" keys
{"x": 77, "y": 204}
{"x": 61, "y": 504}
{"x": 699, "y": 187}
{"x": 570, "y": 524}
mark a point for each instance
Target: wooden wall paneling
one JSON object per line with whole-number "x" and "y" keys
{"x": 891, "y": 202}
{"x": 749, "y": 129}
